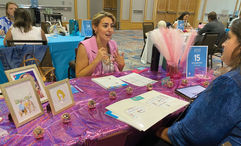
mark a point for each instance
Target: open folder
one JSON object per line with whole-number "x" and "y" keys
{"x": 143, "y": 111}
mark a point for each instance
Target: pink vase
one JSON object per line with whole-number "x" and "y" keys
{"x": 174, "y": 72}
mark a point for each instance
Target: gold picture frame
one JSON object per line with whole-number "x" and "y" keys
{"x": 30, "y": 70}
{"x": 60, "y": 96}
{"x": 22, "y": 100}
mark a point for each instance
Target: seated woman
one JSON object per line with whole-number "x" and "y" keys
{"x": 184, "y": 16}
{"x": 99, "y": 54}
{"x": 7, "y": 21}
{"x": 22, "y": 28}
{"x": 214, "y": 117}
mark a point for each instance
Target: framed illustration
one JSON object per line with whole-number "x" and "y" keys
{"x": 60, "y": 96}
{"x": 32, "y": 71}
{"x": 22, "y": 100}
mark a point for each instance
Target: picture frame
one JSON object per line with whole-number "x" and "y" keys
{"x": 60, "y": 96}
{"x": 30, "y": 70}
{"x": 22, "y": 100}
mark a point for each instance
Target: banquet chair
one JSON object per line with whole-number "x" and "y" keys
{"x": 210, "y": 40}
{"x": 146, "y": 27}
{"x": 218, "y": 48}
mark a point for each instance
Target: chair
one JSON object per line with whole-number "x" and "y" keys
{"x": 45, "y": 27}
{"x": 71, "y": 68}
{"x": 218, "y": 49}
{"x": 146, "y": 26}
{"x": 155, "y": 59}
{"x": 210, "y": 40}
{"x": 27, "y": 42}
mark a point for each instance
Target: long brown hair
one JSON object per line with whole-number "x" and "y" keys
{"x": 7, "y": 5}
{"x": 236, "y": 59}
{"x": 22, "y": 19}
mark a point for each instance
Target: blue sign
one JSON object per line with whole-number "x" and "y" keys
{"x": 86, "y": 28}
{"x": 180, "y": 25}
{"x": 197, "y": 60}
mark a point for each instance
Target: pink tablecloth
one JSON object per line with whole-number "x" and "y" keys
{"x": 87, "y": 127}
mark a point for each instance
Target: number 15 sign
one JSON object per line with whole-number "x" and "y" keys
{"x": 197, "y": 60}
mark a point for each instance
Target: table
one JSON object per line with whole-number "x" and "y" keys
{"x": 87, "y": 127}
{"x": 62, "y": 49}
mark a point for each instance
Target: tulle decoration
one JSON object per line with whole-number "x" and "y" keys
{"x": 174, "y": 46}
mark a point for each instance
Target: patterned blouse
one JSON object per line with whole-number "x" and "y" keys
{"x": 5, "y": 24}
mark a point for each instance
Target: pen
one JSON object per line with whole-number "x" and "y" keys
{"x": 79, "y": 89}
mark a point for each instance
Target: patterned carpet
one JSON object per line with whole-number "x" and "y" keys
{"x": 131, "y": 43}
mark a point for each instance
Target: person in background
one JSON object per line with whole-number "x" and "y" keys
{"x": 161, "y": 24}
{"x": 7, "y": 21}
{"x": 214, "y": 117}
{"x": 213, "y": 26}
{"x": 99, "y": 54}
{"x": 184, "y": 16}
{"x": 22, "y": 28}
{"x": 239, "y": 16}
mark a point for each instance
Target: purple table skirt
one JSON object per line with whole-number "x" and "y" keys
{"x": 87, "y": 126}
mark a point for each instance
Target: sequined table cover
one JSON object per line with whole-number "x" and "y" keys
{"x": 87, "y": 126}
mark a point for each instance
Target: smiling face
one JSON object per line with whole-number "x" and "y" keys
{"x": 105, "y": 29}
{"x": 229, "y": 46}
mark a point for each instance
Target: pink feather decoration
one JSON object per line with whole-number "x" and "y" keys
{"x": 171, "y": 44}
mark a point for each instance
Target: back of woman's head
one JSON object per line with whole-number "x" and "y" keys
{"x": 182, "y": 15}
{"x": 22, "y": 19}
{"x": 99, "y": 16}
{"x": 236, "y": 55}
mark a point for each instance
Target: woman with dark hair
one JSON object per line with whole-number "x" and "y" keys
{"x": 22, "y": 28}
{"x": 184, "y": 16}
{"x": 99, "y": 54}
{"x": 214, "y": 117}
{"x": 7, "y": 21}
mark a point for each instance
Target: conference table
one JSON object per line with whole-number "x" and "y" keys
{"x": 62, "y": 49}
{"x": 87, "y": 126}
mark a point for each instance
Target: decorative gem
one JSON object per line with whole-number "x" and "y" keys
{"x": 169, "y": 84}
{"x": 129, "y": 90}
{"x": 38, "y": 132}
{"x": 205, "y": 83}
{"x": 112, "y": 95}
{"x": 66, "y": 117}
{"x": 149, "y": 87}
{"x": 184, "y": 82}
{"x": 91, "y": 104}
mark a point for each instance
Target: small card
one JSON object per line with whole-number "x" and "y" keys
{"x": 109, "y": 113}
{"x": 137, "y": 98}
{"x": 73, "y": 89}
{"x": 140, "y": 70}
{"x": 165, "y": 80}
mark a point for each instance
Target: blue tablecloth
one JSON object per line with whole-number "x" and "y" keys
{"x": 62, "y": 49}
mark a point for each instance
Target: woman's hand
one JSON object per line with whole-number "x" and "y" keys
{"x": 119, "y": 59}
{"x": 101, "y": 54}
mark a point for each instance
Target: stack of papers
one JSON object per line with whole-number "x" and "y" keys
{"x": 143, "y": 111}
{"x": 109, "y": 82}
{"x": 137, "y": 80}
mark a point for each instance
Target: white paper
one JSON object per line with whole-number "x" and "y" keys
{"x": 144, "y": 113}
{"x": 137, "y": 80}
{"x": 3, "y": 132}
{"x": 109, "y": 82}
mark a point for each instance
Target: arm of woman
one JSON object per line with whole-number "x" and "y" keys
{"x": 82, "y": 67}
{"x": 119, "y": 59}
{"x": 210, "y": 117}
{"x": 43, "y": 35}
{"x": 8, "y": 37}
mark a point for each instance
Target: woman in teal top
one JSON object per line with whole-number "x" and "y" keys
{"x": 214, "y": 117}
